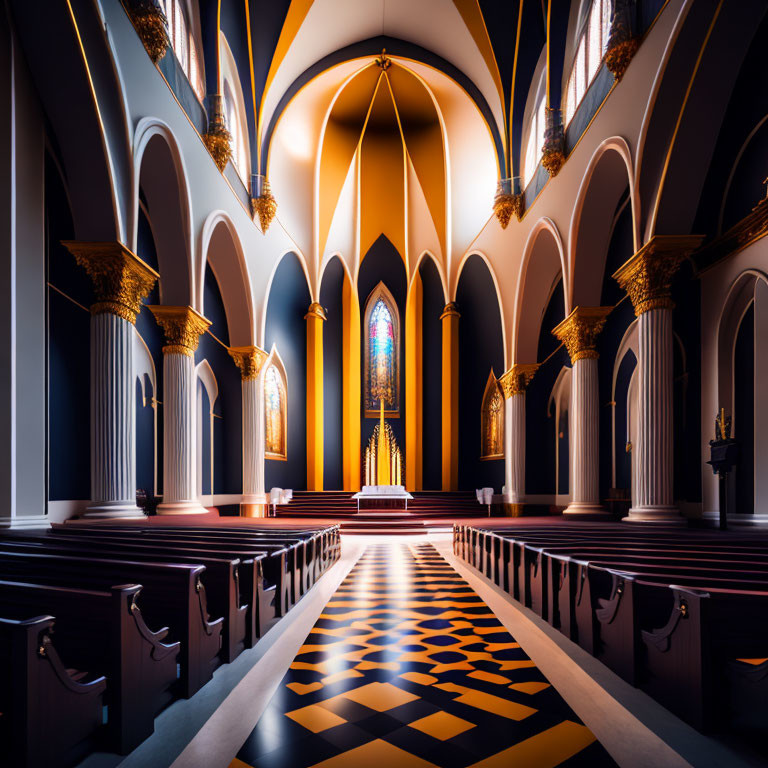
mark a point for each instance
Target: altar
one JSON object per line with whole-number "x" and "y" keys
{"x": 382, "y": 497}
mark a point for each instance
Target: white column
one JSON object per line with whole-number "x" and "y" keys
{"x": 251, "y": 360}
{"x": 585, "y": 445}
{"x": 654, "y": 489}
{"x": 579, "y": 332}
{"x": 182, "y": 326}
{"x": 121, "y": 280}
{"x": 513, "y": 384}
{"x": 647, "y": 278}
{"x": 113, "y": 419}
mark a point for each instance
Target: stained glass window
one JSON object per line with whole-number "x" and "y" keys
{"x": 492, "y": 421}
{"x": 535, "y": 142}
{"x": 382, "y": 354}
{"x": 274, "y": 407}
{"x": 184, "y": 44}
{"x": 589, "y": 54}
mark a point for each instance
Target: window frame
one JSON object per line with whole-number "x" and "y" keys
{"x": 282, "y": 455}
{"x": 492, "y": 389}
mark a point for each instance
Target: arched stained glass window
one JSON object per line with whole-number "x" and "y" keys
{"x": 382, "y": 354}
{"x": 492, "y": 421}
{"x": 274, "y": 413}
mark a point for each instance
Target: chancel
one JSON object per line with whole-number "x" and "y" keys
{"x": 381, "y": 383}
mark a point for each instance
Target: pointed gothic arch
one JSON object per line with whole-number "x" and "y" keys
{"x": 381, "y": 369}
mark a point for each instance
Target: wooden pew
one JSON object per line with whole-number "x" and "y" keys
{"x": 49, "y": 715}
{"x": 221, "y": 577}
{"x": 280, "y": 564}
{"x": 104, "y": 631}
{"x": 173, "y": 595}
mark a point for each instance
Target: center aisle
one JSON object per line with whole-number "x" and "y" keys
{"x": 408, "y": 667}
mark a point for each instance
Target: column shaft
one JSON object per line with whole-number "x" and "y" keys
{"x": 450, "y": 400}
{"x": 585, "y": 446}
{"x": 351, "y": 397}
{"x": 121, "y": 281}
{"x": 180, "y": 435}
{"x": 113, "y": 409}
{"x": 315, "y": 318}
{"x": 647, "y": 279}
{"x": 250, "y": 360}
{"x": 655, "y": 468}
{"x": 182, "y": 326}
{"x": 579, "y": 332}
{"x": 514, "y": 448}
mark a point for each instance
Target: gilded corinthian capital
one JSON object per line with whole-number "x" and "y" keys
{"x": 121, "y": 280}
{"x": 316, "y": 310}
{"x": 647, "y": 276}
{"x": 516, "y": 380}
{"x": 250, "y": 361}
{"x": 183, "y": 327}
{"x": 579, "y": 331}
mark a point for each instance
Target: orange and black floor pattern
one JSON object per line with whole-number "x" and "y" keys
{"x": 408, "y": 668}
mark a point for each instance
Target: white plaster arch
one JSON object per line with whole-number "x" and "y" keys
{"x": 619, "y": 146}
{"x": 231, "y": 283}
{"x": 427, "y": 254}
{"x": 542, "y": 226}
{"x": 146, "y": 129}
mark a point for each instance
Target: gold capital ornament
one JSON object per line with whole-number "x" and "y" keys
{"x": 579, "y": 331}
{"x": 250, "y": 361}
{"x": 647, "y": 276}
{"x": 516, "y": 380}
{"x": 183, "y": 327}
{"x": 315, "y": 310}
{"x": 121, "y": 280}
{"x": 450, "y": 309}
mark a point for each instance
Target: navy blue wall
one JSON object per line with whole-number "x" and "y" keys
{"x": 747, "y": 107}
{"x": 333, "y": 330}
{"x": 288, "y": 304}
{"x": 481, "y": 348}
{"x": 433, "y": 304}
{"x": 228, "y": 408}
{"x": 154, "y": 338}
{"x": 620, "y": 248}
{"x": 68, "y": 352}
{"x": 541, "y": 429}
{"x": 383, "y": 263}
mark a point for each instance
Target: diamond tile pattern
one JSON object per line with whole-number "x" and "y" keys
{"x": 407, "y": 666}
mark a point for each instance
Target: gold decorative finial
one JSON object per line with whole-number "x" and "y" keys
{"x": 383, "y": 62}
{"x": 217, "y": 139}
{"x": 263, "y": 204}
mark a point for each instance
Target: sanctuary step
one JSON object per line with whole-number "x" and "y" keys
{"x": 428, "y": 510}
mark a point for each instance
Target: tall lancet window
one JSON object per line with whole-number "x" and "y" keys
{"x": 274, "y": 416}
{"x": 492, "y": 421}
{"x": 382, "y": 354}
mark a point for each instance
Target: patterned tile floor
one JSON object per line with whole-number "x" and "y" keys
{"x": 407, "y": 667}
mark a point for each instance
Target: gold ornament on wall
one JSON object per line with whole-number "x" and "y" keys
{"x": 492, "y": 421}
{"x": 622, "y": 45}
{"x": 250, "y": 360}
{"x": 579, "y": 331}
{"x": 263, "y": 203}
{"x": 151, "y": 25}
{"x": 553, "y": 151}
{"x": 121, "y": 280}
{"x": 647, "y": 276}
{"x": 506, "y": 203}
{"x": 217, "y": 139}
{"x": 183, "y": 327}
